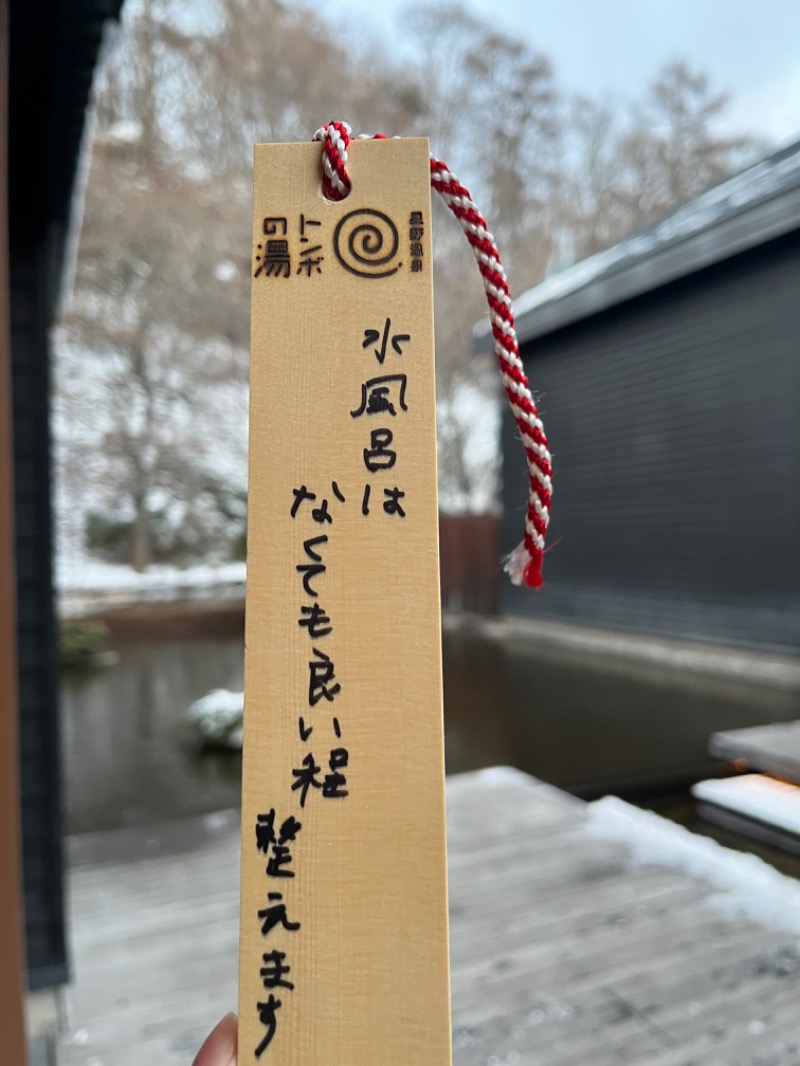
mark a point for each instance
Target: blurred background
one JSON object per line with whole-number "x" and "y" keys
{"x": 639, "y": 168}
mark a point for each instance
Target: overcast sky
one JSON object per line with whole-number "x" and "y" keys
{"x": 613, "y": 47}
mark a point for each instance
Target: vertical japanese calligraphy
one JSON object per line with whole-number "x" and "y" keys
{"x": 323, "y": 684}
{"x": 416, "y": 231}
{"x": 384, "y": 396}
{"x": 274, "y": 842}
{"x": 273, "y": 256}
{"x": 343, "y": 858}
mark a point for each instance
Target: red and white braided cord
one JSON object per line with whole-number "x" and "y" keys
{"x": 524, "y": 564}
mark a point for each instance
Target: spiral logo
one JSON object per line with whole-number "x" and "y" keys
{"x": 365, "y": 243}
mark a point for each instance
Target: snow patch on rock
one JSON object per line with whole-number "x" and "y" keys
{"x": 217, "y": 717}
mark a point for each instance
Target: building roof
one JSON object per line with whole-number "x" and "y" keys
{"x": 749, "y": 209}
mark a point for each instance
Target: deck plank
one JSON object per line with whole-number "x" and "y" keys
{"x": 566, "y": 947}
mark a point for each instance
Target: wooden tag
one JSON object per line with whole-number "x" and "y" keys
{"x": 343, "y": 947}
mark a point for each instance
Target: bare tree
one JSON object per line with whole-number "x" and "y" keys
{"x": 153, "y": 366}
{"x": 160, "y": 308}
{"x": 690, "y": 155}
{"x": 490, "y": 109}
{"x": 159, "y": 314}
{"x": 624, "y": 171}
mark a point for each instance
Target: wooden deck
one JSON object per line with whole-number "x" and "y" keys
{"x": 570, "y": 945}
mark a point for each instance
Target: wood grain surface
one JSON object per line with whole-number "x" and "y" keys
{"x": 349, "y": 702}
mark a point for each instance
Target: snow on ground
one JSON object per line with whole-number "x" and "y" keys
{"x": 775, "y": 803}
{"x": 746, "y": 886}
{"x": 90, "y": 575}
{"x": 85, "y": 586}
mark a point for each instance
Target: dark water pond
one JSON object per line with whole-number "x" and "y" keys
{"x": 579, "y": 723}
{"x": 127, "y": 758}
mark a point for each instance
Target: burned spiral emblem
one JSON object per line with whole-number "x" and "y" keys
{"x": 366, "y": 242}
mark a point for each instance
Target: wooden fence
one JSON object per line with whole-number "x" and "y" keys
{"x": 470, "y": 563}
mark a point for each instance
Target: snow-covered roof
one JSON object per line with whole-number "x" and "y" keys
{"x": 754, "y": 206}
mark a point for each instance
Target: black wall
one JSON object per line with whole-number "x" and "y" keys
{"x": 38, "y": 203}
{"x": 51, "y": 58}
{"x": 38, "y": 667}
{"x": 674, "y": 421}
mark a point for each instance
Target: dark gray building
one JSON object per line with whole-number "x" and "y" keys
{"x": 668, "y": 374}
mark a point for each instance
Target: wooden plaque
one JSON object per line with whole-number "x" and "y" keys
{"x": 343, "y": 947}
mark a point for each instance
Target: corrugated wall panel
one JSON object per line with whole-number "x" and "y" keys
{"x": 675, "y": 427}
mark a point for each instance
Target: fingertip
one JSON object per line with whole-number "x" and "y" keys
{"x": 219, "y": 1048}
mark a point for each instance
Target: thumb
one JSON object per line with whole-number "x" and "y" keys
{"x": 219, "y": 1048}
